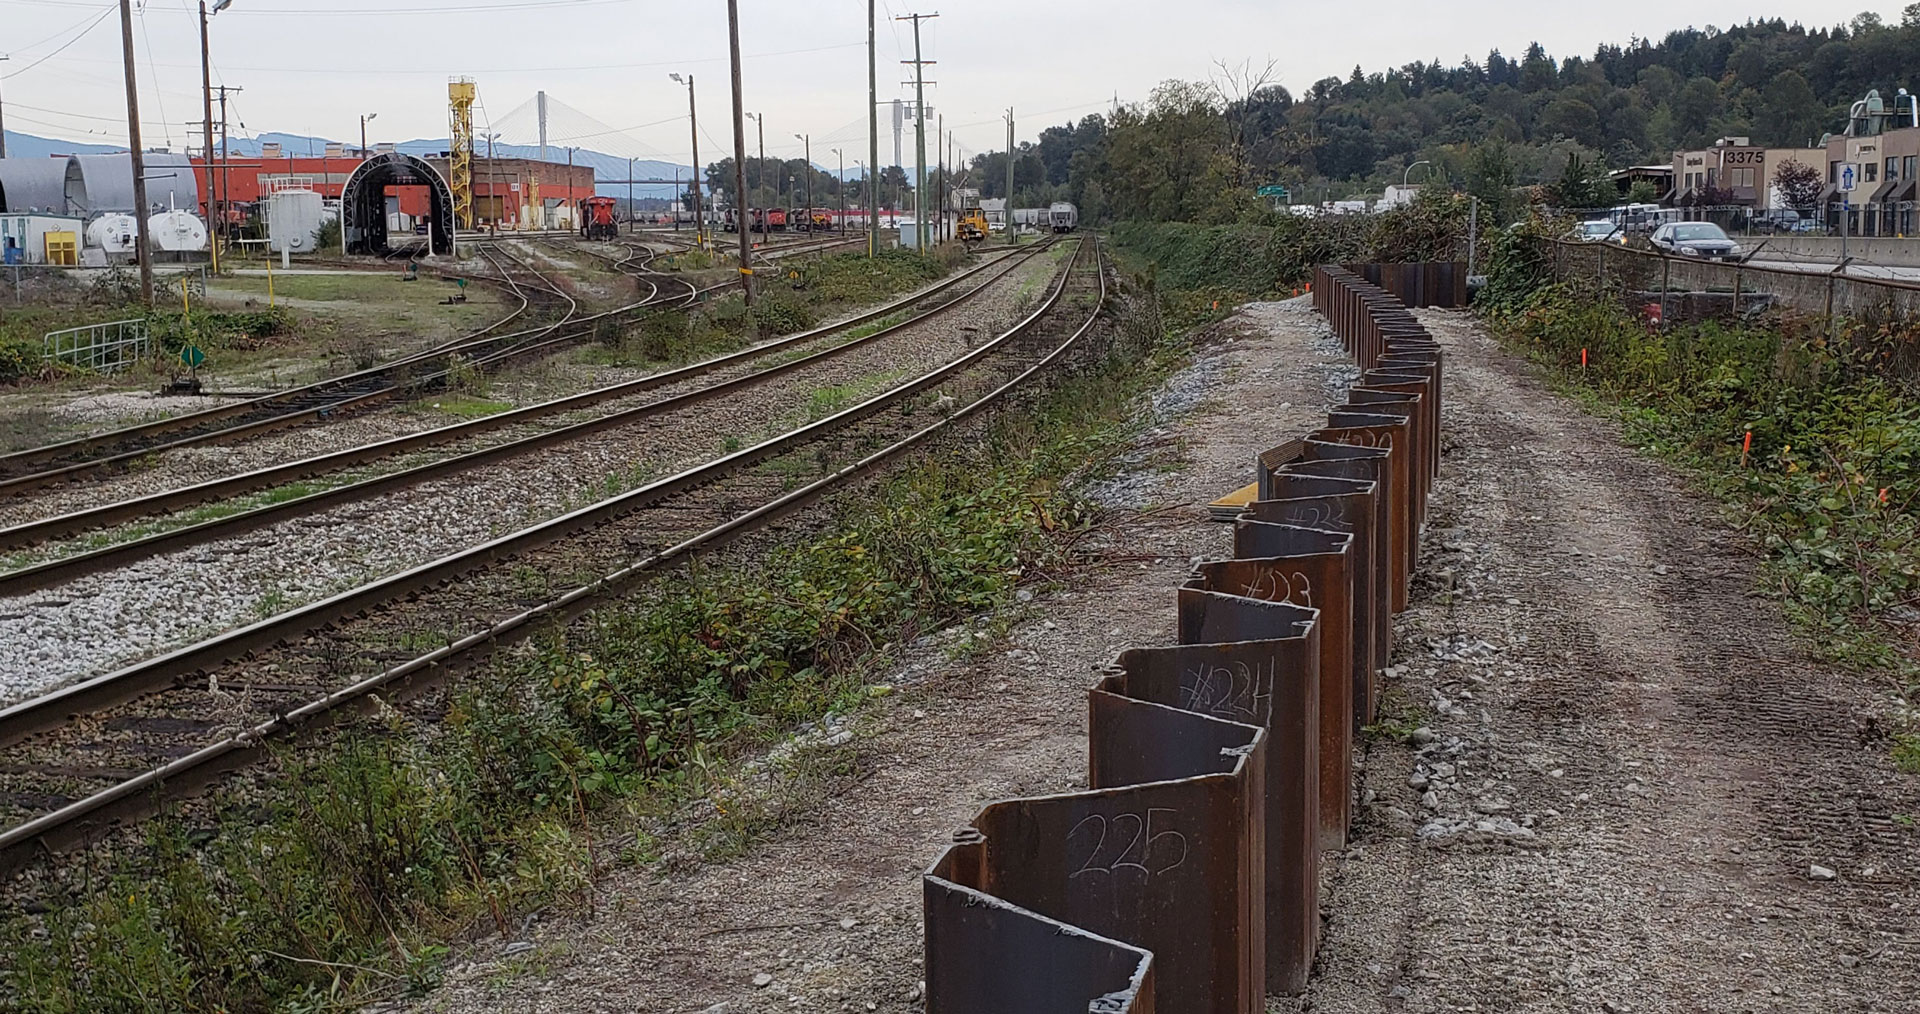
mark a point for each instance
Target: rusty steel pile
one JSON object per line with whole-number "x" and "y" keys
{"x": 1186, "y": 877}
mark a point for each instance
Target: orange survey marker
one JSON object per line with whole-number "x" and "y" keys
{"x": 1746, "y": 448}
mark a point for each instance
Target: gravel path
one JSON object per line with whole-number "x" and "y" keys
{"x": 1633, "y": 772}
{"x": 107, "y": 620}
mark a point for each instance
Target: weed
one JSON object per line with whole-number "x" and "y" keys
{"x": 1906, "y": 753}
{"x": 330, "y": 888}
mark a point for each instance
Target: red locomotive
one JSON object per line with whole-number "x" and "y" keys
{"x": 597, "y": 219}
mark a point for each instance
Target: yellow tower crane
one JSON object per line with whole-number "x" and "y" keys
{"x": 460, "y": 93}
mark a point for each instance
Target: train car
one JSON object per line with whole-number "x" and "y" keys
{"x": 1063, "y": 217}
{"x": 597, "y": 218}
{"x": 777, "y": 219}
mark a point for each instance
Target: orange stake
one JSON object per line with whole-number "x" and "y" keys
{"x": 1746, "y": 447}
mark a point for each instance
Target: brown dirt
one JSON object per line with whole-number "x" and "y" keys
{"x": 1645, "y": 767}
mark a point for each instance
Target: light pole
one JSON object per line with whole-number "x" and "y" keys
{"x": 3, "y": 105}
{"x": 741, "y": 224}
{"x": 1409, "y": 171}
{"x": 841, "y": 181}
{"x": 807, "y": 139}
{"x": 693, "y": 117}
{"x": 364, "y": 117}
{"x": 206, "y": 114}
{"x": 632, "y": 215}
{"x": 866, "y": 179}
{"x": 760, "y": 166}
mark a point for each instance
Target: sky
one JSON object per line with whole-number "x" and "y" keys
{"x": 314, "y": 66}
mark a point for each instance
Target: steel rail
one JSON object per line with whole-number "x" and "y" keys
{"x": 46, "y": 452}
{"x": 139, "y": 795}
{"x": 34, "y": 532}
{"x": 496, "y": 350}
{"x": 54, "y": 572}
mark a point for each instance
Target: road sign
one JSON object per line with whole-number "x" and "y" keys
{"x": 192, "y": 357}
{"x": 1274, "y": 190}
{"x": 1849, "y": 176}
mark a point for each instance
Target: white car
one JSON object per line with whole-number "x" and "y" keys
{"x": 1599, "y": 231}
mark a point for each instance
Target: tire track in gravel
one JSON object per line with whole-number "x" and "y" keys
{"x": 111, "y": 619}
{"x": 1632, "y": 770}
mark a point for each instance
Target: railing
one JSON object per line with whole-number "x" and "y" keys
{"x": 103, "y": 348}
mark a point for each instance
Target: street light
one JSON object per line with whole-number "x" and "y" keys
{"x": 693, "y": 117}
{"x": 206, "y": 114}
{"x": 760, "y": 169}
{"x": 841, "y": 181}
{"x": 1409, "y": 171}
{"x": 363, "y": 131}
{"x": 807, "y": 139}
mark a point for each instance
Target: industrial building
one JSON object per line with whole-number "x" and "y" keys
{"x": 95, "y": 184}
{"x": 1735, "y": 171}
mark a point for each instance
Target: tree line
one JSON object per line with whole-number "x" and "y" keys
{"x": 1196, "y": 150}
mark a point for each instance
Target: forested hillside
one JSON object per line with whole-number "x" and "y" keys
{"x": 1194, "y": 150}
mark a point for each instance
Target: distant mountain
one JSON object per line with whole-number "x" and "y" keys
{"x": 29, "y": 146}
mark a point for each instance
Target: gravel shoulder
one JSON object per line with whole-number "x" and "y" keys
{"x": 1630, "y": 790}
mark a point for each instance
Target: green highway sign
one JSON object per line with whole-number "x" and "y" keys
{"x": 192, "y": 357}
{"x": 1275, "y": 190}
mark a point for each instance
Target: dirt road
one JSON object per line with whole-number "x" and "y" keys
{"x": 1611, "y": 784}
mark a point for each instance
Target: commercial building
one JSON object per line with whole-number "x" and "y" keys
{"x": 1735, "y": 172}
{"x": 1886, "y": 170}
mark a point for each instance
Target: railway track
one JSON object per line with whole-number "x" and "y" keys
{"x": 40, "y": 466}
{"x": 105, "y": 751}
{"x": 790, "y": 353}
{"x": 99, "y": 453}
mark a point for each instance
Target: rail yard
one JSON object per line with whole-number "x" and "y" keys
{"x": 542, "y": 569}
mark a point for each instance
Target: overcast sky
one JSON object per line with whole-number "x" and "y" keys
{"x": 313, "y": 66}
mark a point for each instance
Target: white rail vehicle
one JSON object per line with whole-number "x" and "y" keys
{"x": 1063, "y": 217}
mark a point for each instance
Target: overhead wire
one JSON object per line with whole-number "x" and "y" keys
{"x": 91, "y": 25}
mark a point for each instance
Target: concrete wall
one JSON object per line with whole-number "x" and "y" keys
{"x": 1872, "y": 249}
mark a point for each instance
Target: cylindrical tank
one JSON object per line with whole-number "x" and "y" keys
{"x": 293, "y": 220}
{"x": 117, "y": 235}
{"x": 177, "y": 232}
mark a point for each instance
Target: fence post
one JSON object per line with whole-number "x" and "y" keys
{"x": 1666, "y": 282}
{"x": 1600, "y": 266}
{"x": 1833, "y": 326}
{"x": 1736, "y": 290}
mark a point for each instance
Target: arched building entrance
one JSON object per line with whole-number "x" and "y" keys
{"x": 363, "y": 203}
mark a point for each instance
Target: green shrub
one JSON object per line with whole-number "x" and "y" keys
{"x": 19, "y": 359}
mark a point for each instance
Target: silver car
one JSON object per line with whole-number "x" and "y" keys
{"x": 1696, "y": 239}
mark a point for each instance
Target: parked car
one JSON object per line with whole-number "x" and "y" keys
{"x": 1777, "y": 220}
{"x": 1599, "y": 231}
{"x": 1695, "y": 239}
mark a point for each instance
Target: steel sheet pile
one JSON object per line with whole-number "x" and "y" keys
{"x": 1186, "y": 877}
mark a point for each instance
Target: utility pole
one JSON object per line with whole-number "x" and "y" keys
{"x": 693, "y": 117}
{"x": 206, "y": 145}
{"x": 1012, "y": 236}
{"x": 140, "y": 209}
{"x": 873, "y": 137}
{"x": 807, "y": 139}
{"x": 919, "y": 131}
{"x": 760, "y": 171}
{"x": 632, "y": 214}
{"x": 742, "y": 220}
{"x": 226, "y": 168}
{"x": 939, "y": 156}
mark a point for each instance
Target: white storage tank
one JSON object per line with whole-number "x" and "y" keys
{"x": 115, "y": 235}
{"x": 293, "y": 220}
{"x": 177, "y": 232}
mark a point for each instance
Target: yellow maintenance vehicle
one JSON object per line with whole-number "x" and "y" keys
{"x": 972, "y": 227}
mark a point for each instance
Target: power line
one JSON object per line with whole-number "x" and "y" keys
{"x": 95, "y": 23}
